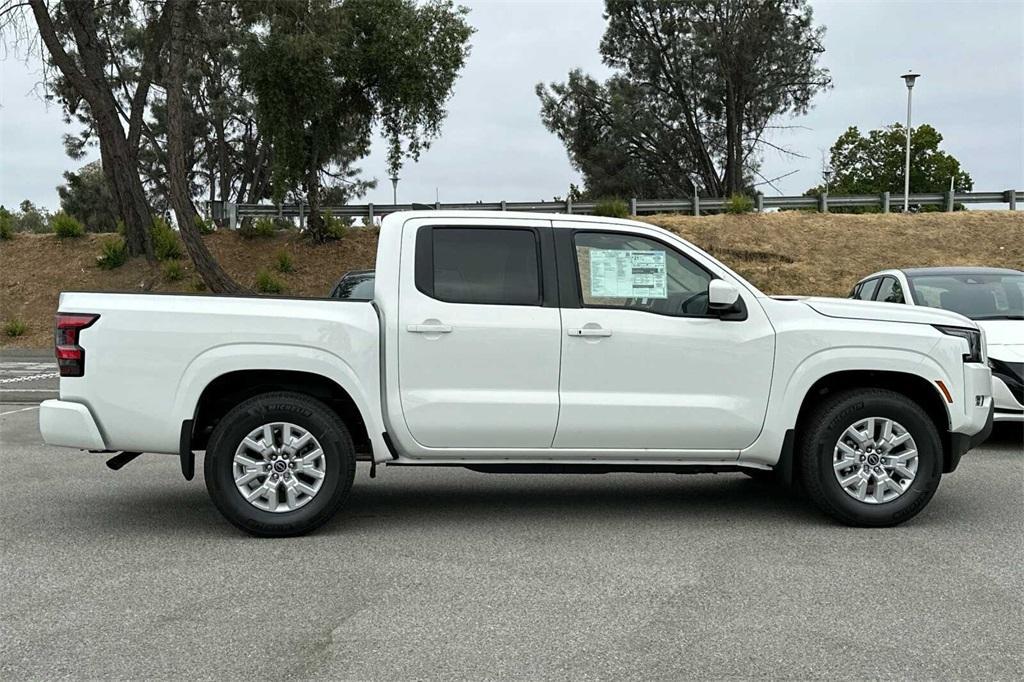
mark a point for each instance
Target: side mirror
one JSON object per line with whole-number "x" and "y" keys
{"x": 722, "y": 296}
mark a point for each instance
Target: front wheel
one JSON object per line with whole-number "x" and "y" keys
{"x": 279, "y": 464}
{"x": 870, "y": 457}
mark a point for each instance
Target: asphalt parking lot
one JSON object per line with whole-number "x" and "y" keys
{"x": 445, "y": 573}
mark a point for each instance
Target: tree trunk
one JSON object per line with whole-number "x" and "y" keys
{"x": 216, "y": 279}
{"x": 315, "y": 225}
{"x": 120, "y": 162}
{"x": 733, "y": 143}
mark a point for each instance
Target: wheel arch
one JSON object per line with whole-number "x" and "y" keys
{"x": 913, "y": 386}
{"x": 231, "y": 388}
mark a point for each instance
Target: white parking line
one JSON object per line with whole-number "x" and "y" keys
{"x": 27, "y": 390}
{"x": 24, "y": 409}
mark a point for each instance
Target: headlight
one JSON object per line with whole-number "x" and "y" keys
{"x": 971, "y": 336}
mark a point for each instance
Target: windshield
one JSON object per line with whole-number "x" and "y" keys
{"x": 979, "y": 297}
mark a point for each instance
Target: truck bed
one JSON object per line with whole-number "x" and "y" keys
{"x": 161, "y": 350}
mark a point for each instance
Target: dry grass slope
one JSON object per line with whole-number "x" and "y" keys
{"x": 34, "y": 269}
{"x": 792, "y": 252}
{"x": 815, "y": 254}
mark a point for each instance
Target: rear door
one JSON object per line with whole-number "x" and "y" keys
{"x": 479, "y": 335}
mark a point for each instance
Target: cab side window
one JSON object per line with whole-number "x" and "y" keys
{"x": 890, "y": 291}
{"x": 628, "y": 271}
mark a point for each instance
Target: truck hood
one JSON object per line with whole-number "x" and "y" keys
{"x": 1005, "y": 339}
{"x": 884, "y": 312}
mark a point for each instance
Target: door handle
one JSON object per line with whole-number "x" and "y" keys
{"x": 429, "y": 328}
{"x": 588, "y": 331}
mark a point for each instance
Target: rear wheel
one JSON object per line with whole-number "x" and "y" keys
{"x": 279, "y": 464}
{"x": 870, "y": 457}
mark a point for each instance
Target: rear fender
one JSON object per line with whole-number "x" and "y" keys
{"x": 221, "y": 360}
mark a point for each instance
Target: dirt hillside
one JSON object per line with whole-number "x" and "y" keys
{"x": 794, "y": 252}
{"x": 790, "y": 252}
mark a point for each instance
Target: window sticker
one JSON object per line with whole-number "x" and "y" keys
{"x": 627, "y": 274}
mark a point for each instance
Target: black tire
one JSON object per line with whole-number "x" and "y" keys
{"x": 816, "y": 448}
{"x": 305, "y": 412}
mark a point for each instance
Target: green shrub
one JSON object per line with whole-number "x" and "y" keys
{"x": 173, "y": 272}
{"x": 113, "y": 253}
{"x": 739, "y": 203}
{"x": 336, "y": 228}
{"x": 15, "y": 327}
{"x": 264, "y": 227}
{"x": 283, "y": 261}
{"x": 65, "y": 226}
{"x": 266, "y": 283}
{"x": 165, "y": 242}
{"x": 197, "y": 285}
{"x": 205, "y": 225}
{"x": 612, "y": 208}
{"x": 6, "y": 224}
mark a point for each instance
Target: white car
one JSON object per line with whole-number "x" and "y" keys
{"x": 992, "y": 297}
{"x": 506, "y": 342}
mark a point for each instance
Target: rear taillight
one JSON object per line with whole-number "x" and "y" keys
{"x": 70, "y": 355}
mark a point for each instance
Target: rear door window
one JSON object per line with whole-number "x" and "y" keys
{"x": 868, "y": 289}
{"x": 484, "y": 265}
{"x": 890, "y": 291}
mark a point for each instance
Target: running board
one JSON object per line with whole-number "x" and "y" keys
{"x": 560, "y": 468}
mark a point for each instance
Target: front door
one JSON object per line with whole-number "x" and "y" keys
{"x": 644, "y": 364}
{"x": 479, "y": 337}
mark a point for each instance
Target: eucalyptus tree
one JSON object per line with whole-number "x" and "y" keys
{"x": 326, "y": 74}
{"x": 103, "y": 60}
{"x": 181, "y": 145}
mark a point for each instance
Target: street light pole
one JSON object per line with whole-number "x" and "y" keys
{"x": 394, "y": 189}
{"x": 909, "y": 79}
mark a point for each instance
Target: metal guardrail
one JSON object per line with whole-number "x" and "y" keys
{"x": 235, "y": 212}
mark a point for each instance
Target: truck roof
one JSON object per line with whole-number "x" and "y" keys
{"x": 957, "y": 270}
{"x": 402, "y": 216}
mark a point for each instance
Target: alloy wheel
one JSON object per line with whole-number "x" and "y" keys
{"x": 279, "y": 467}
{"x": 875, "y": 460}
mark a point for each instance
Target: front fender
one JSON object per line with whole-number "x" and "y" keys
{"x": 852, "y": 358}
{"x": 787, "y": 396}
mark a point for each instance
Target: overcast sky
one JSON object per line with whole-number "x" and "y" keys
{"x": 493, "y": 145}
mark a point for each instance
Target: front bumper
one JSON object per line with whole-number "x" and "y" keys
{"x": 69, "y": 425}
{"x": 1008, "y": 408}
{"x": 960, "y": 443}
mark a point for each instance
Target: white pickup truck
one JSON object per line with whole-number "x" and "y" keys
{"x": 509, "y": 342}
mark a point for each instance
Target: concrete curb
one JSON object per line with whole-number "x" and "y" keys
{"x": 37, "y": 395}
{"x": 39, "y": 354}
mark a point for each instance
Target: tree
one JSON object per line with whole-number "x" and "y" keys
{"x": 30, "y": 218}
{"x": 325, "y": 73}
{"x": 697, "y": 86}
{"x": 874, "y": 163}
{"x": 80, "y": 38}
{"x": 179, "y": 145}
{"x": 88, "y": 197}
